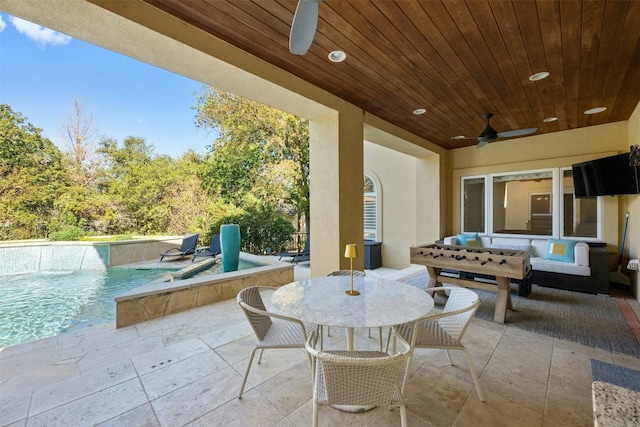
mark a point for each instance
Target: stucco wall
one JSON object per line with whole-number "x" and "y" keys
{"x": 633, "y": 206}
{"x": 396, "y": 173}
{"x": 412, "y": 198}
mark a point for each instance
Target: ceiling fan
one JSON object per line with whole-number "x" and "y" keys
{"x": 489, "y": 134}
{"x": 303, "y": 27}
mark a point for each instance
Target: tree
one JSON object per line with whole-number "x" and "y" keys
{"x": 137, "y": 184}
{"x": 190, "y": 206}
{"x": 153, "y": 193}
{"x": 31, "y": 178}
{"x": 84, "y": 203}
{"x": 82, "y": 163}
{"x": 259, "y": 150}
{"x": 262, "y": 229}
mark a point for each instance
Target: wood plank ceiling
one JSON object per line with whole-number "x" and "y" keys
{"x": 456, "y": 59}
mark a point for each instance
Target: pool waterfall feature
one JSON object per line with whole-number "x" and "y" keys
{"x": 155, "y": 299}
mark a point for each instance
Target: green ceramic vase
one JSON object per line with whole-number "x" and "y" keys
{"x": 230, "y": 246}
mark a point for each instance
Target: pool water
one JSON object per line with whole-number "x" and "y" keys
{"x": 45, "y": 304}
{"x": 40, "y": 305}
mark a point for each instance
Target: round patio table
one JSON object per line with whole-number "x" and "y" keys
{"x": 381, "y": 303}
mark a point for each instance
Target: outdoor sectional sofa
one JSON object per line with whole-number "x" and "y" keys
{"x": 585, "y": 270}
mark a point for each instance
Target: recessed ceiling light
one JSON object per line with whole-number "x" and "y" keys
{"x": 539, "y": 76}
{"x": 419, "y": 111}
{"x": 337, "y": 56}
{"x": 459, "y": 137}
{"x": 550, "y": 119}
{"x": 595, "y": 110}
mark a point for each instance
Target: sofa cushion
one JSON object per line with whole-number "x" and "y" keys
{"x": 582, "y": 254}
{"x": 512, "y": 247}
{"x": 484, "y": 241}
{"x": 510, "y": 241}
{"x": 541, "y": 264}
{"x": 515, "y": 244}
{"x": 539, "y": 247}
{"x": 468, "y": 239}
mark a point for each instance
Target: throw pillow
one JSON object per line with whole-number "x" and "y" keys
{"x": 560, "y": 250}
{"x": 468, "y": 239}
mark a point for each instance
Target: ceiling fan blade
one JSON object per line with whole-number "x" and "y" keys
{"x": 482, "y": 141}
{"x": 303, "y": 27}
{"x": 517, "y": 132}
{"x": 489, "y": 134}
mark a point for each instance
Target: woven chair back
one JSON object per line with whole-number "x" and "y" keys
{"x": 361, "y": 381}
{"x": 260, "y": 323}
{"x": 459, "y": 299}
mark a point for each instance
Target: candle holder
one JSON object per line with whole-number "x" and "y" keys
{"x": 351, "y": 252}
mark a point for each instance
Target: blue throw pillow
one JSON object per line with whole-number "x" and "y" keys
{"x": 560, "y": 250}
{"x": 468, "y": 239}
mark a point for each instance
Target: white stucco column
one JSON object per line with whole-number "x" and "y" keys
{"x": 336, "y": 189}
{"x": 430, "y": 199}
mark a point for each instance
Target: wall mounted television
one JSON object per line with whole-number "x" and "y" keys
{"x": 608, "y": 176}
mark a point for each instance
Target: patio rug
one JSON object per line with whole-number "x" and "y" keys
{"x": 592, "y": 320}
{"x": 614, "y": 374}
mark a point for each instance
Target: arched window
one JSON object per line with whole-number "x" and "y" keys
{"x": 371, "y": 209}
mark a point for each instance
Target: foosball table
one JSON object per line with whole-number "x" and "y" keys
{"x": 503, "y": 264}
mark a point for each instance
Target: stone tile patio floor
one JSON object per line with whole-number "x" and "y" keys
{"x": 186, "y": 369}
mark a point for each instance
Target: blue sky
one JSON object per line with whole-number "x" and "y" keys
{"x": 42, "y": 72}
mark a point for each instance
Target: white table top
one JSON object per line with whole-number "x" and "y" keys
{"x": 323, "y": 301}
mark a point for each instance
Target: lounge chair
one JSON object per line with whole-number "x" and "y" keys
{"x": 298, "y": 256}
{"x": 188, "y": 247}
{"x": 208, "y": 251}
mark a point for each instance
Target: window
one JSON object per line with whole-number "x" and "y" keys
{"x": 536, "y": 203}
{"x": 522, "y": 203}
{"x": 473, "y": 213}
{"x": 370, "y": 209}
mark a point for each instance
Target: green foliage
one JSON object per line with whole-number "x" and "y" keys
{"x": 254, "y": 170}
{"x": 61, "y": 222}
{"x": 31, "y": 178}
{"x": 138, "y": 184}
{"x": 262, "y": 229}
{"x": 68, "y": 233}
{"x": 259, "y": 151}
{"x": 116, "y": 238}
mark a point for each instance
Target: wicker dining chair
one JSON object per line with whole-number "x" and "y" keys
{"x": 442, "y": 330}
{"x": 273, "y": 331}
{"x": 356, "y": 273}
{"x": 362, "y": 378}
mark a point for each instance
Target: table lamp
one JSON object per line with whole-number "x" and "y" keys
{"x": 351, "y": 252}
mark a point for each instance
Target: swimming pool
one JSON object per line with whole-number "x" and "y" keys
{"x": 44, "y": 304}
{"x": 49, "y": 303}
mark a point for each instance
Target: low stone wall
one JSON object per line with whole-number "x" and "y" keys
{"x": 159, "y": 299}
{"x": 127, "y": 252}
{"x": 34, "y": 256}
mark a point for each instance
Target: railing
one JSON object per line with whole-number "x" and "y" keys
{"x": 293, "y": 242}
{"x": 258, "y": 243}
